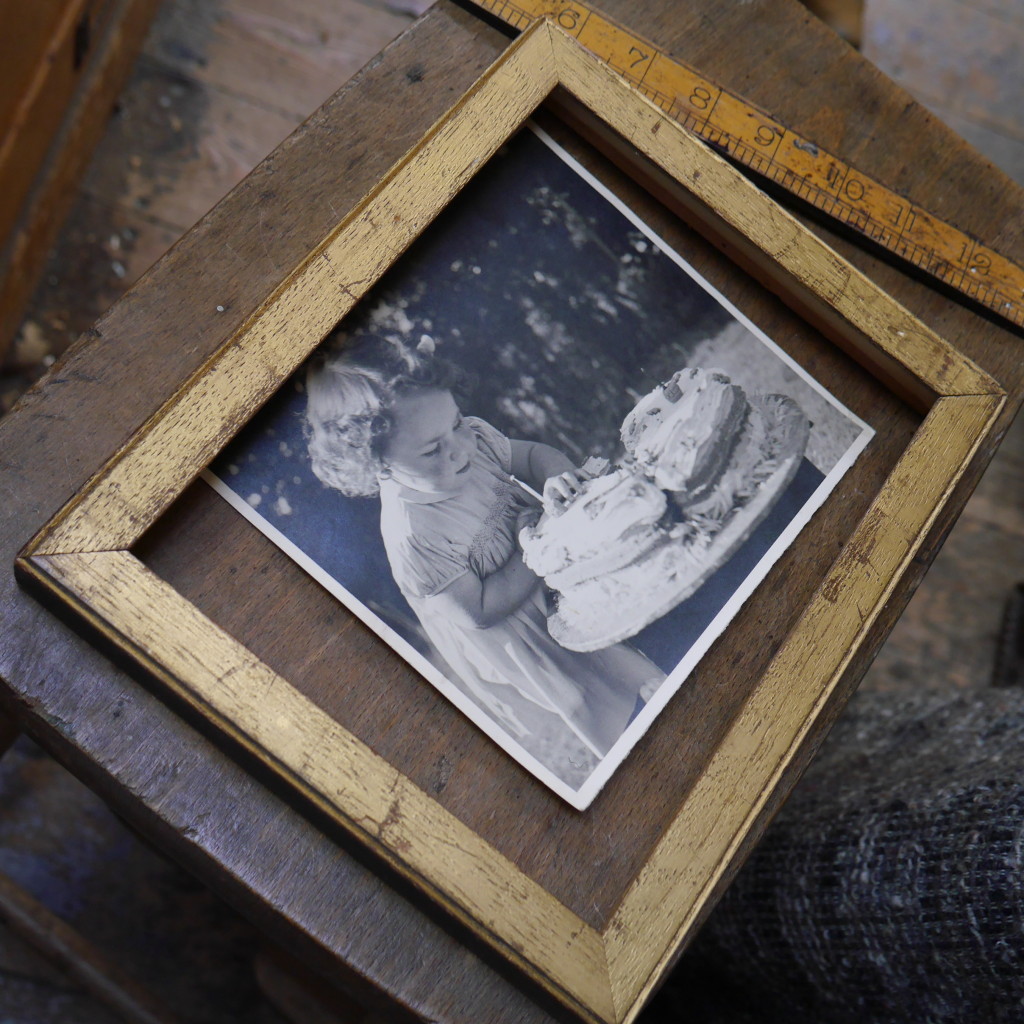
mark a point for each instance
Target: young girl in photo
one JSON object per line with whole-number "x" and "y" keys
{"x": 382, "y": 420}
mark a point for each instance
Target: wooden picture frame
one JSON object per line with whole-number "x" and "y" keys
{"x": 83, "y": 555}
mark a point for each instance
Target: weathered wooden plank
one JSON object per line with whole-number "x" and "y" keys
{"x": 962, "y": 60}
{"x": 282, "y": 59}
{"x": 63, "y": 448}
{"x": 26, "y": 237}
{"x": 388, "y": 945}
{"x": 192, "y": 144}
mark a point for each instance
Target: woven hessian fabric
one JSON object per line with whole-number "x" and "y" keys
{"x": 889, "y": 887}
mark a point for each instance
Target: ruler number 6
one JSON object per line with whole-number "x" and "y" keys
{"x": 569, "y": 18}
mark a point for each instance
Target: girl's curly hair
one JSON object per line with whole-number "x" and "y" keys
{"x": 350, "y": 394}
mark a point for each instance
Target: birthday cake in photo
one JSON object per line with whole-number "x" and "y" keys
{"x": 682, "y": 433}
{"x": 612, "y": 522}
{"x": 704, "y": 463}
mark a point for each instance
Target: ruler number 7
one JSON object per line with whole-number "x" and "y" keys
{"x": 639, "y": 55}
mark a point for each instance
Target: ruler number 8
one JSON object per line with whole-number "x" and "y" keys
{"x": 700, "y": 98}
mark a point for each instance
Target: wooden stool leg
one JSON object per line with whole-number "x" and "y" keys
{"x": 8, "y": 733}
{"x": 303, "y": 996}
{"x": 845, "y": 16}
{"x": 62, "y": 945}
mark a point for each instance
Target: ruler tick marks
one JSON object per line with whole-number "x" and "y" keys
{"x": 755, "y": 139}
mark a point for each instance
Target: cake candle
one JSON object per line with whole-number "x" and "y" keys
{"x": 526, "y": 487}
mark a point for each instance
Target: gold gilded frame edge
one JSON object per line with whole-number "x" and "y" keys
{"x": 82, "y": 554}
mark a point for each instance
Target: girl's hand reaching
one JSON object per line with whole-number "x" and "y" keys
{"x": 551, "y": 470}
{"x": 560, "y": 490}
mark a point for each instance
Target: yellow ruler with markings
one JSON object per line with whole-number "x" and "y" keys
{"x": 757, "y": 140}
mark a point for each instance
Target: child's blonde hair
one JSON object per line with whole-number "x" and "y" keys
{"x": 350, "y": 394}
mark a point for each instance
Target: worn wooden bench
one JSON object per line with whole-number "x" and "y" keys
{"x": 195, "y": 794}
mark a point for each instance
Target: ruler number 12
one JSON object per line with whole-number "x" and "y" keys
{"x": 980, "y": 263}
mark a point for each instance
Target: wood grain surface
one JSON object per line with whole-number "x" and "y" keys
{"x": 53, "y": 442}
{"x": 601, "y": 970}
{"x": 192, "y": 121}
{"x": 51, "y": 133}
{"x": 974, "y": 84}
{"x": 43, "y": 57}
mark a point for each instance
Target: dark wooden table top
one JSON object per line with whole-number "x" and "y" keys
{"x": 183, "y": 787}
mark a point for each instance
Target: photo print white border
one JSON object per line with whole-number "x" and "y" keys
{"x": 582, "y": 797}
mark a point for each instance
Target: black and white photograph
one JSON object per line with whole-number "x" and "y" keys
{"x": 545, "y": 461}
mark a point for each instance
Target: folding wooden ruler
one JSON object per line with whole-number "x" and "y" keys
{"x": 760, "y": 142}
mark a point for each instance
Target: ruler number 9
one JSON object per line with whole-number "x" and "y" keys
{"x": 765, "y": 135}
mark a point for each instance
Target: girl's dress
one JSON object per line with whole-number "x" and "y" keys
{"x": 434, "y": 538}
